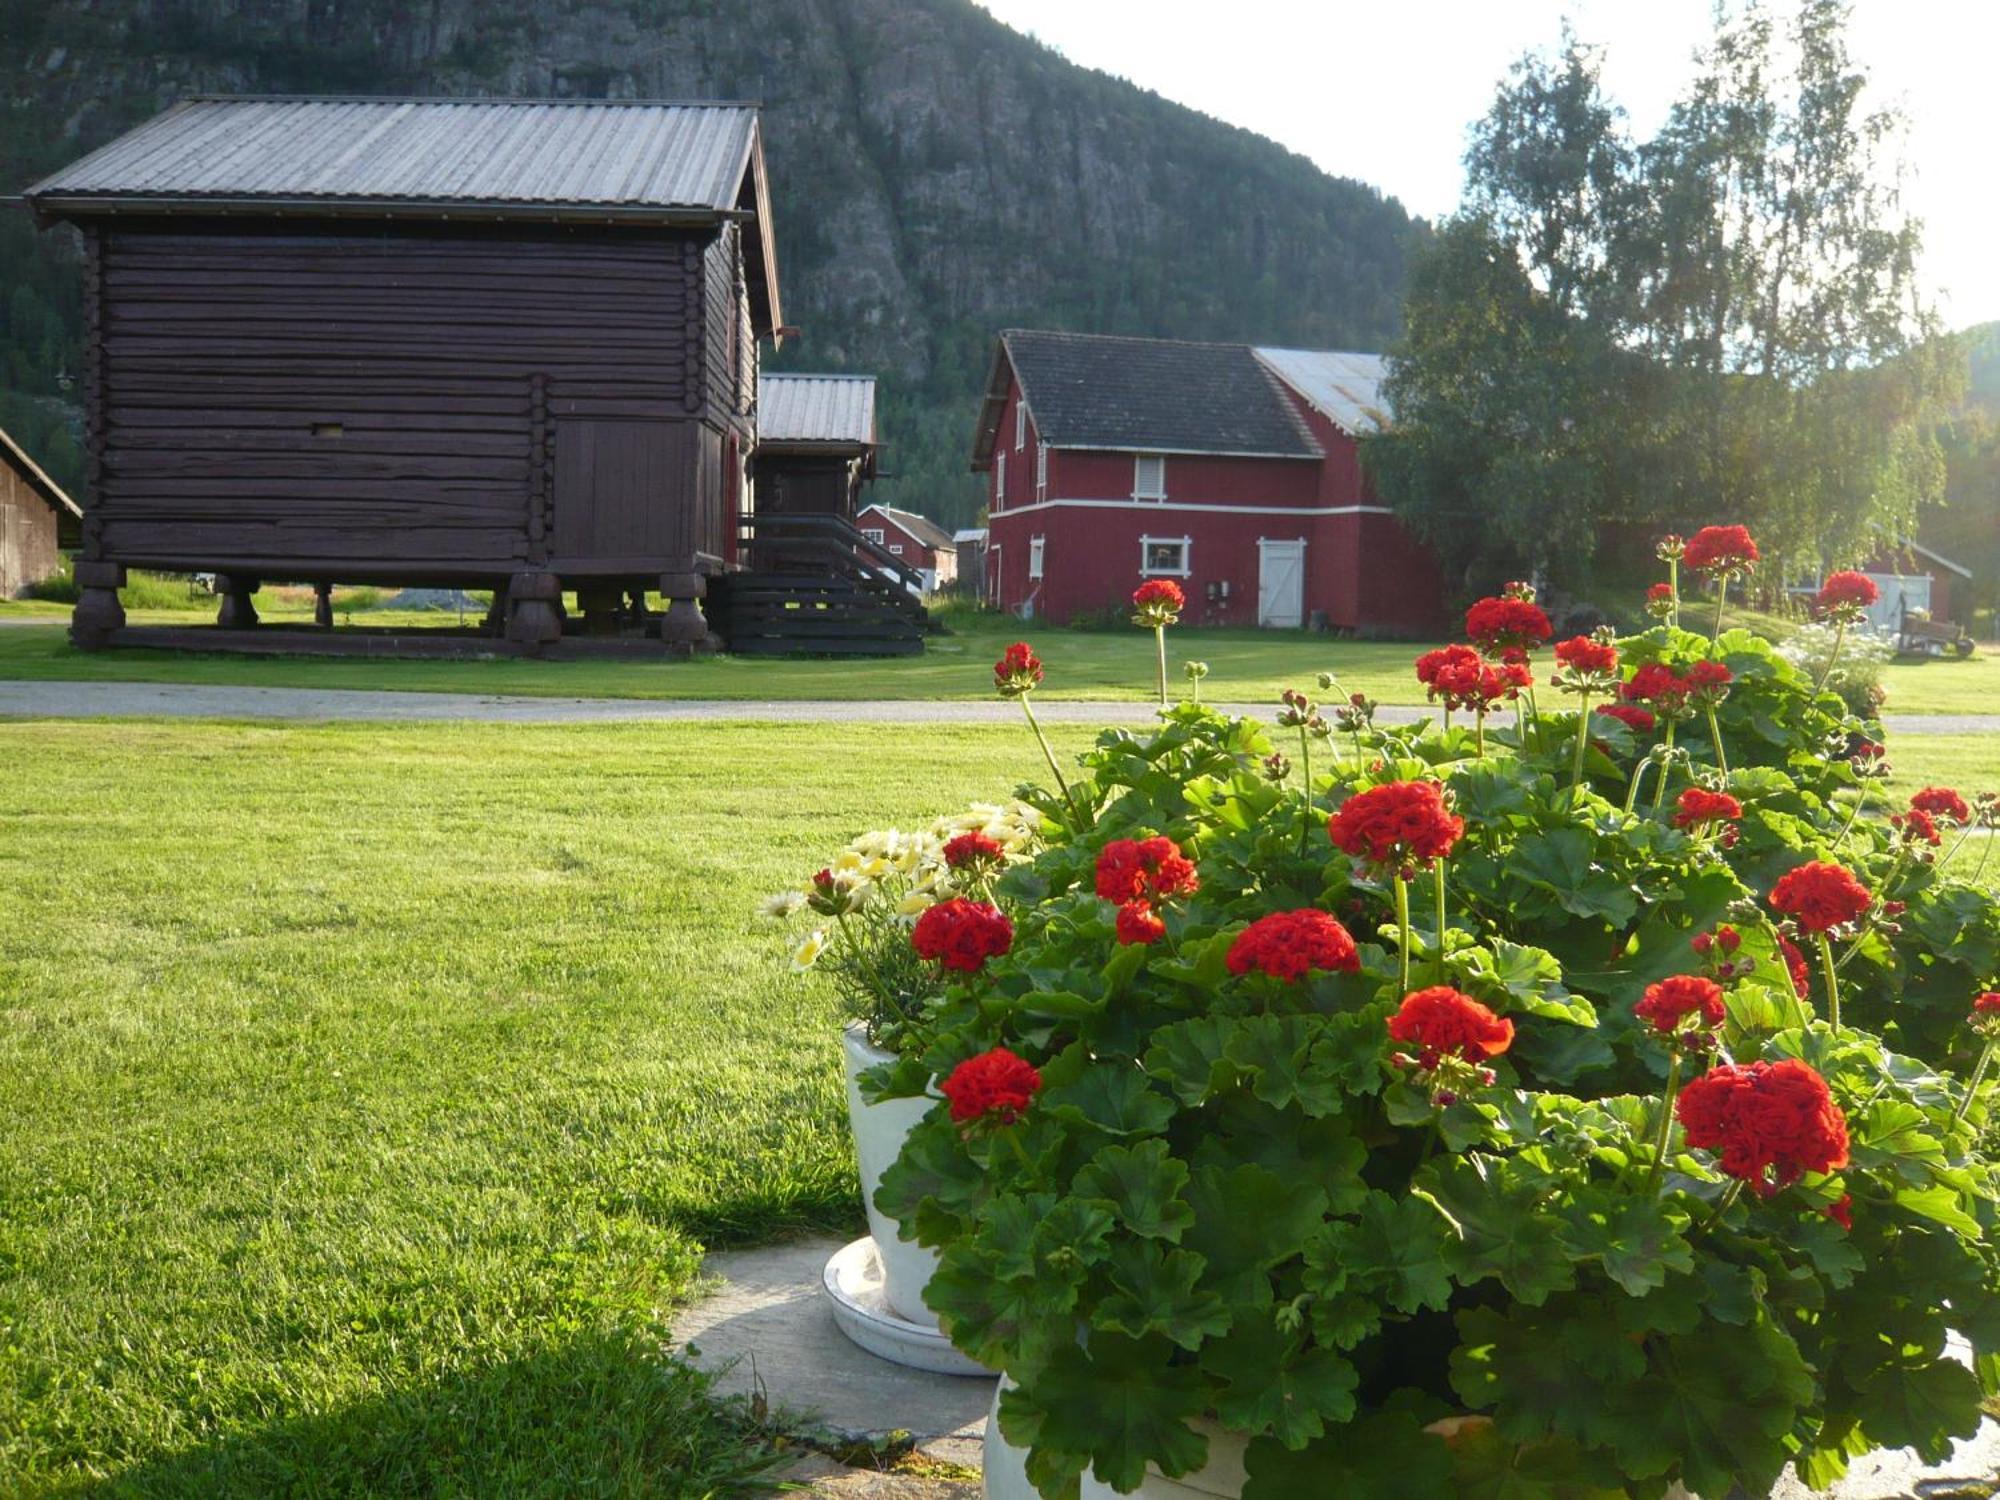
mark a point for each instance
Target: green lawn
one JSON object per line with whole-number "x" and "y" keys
{"x": 371, "y": 1092}
{"x": 1245, "y": 666}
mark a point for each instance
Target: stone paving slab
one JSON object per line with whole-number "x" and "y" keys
{"x": 766, "y": 1327}
{"x": 103, "y": 700}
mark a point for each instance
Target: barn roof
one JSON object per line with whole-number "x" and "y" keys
{"x": 818, "y": 410}
{"x": 1343, "y": 387}
{"x": 591, "y": 161}
{"x": 16, "y": 458}
{"x": 923, "y": 528}
{"x": 1144, "y": 395}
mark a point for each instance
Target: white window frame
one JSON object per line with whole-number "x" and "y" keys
{"x": 1041, "y": 472}
{"x": 895, "y": 549}
{"x": 1146, "y": 545}
{"x": 1037, "y": 557}
{"x": 1140, "y": 490}
{"x": 1020, "y": 424}
{"x": 1000, "y": 480}
{"x": 874, "y": 534}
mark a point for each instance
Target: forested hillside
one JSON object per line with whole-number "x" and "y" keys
{"x": 937, "y": 177}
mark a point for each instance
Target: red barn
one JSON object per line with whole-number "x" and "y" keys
{"x": 1234, "y": 470}
{"x": 919, "y": 541}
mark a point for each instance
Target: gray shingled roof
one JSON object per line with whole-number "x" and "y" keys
{"x": 829, "y": 410}
{"x": 631, "y": 157}
{"x": 923, "y": 528}
{"x": 1148, "y": 395}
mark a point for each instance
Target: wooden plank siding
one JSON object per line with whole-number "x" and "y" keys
{"x": 380, "y": 402}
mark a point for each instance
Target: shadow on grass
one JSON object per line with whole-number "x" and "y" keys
{"x": 600, "y": 1415}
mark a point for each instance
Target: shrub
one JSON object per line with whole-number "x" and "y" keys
{"x": 1857, "y": 677}
{"x": 58, "y": 588}
{"x": 1336, "y": 1209}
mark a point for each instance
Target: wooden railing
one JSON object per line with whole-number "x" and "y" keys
{"x": 777, "y": 543}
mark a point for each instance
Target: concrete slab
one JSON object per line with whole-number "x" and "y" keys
{"x": 767, "y": 1328}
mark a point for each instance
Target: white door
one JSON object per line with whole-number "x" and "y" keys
{"x": 1900, "y": 592}
{"x": 1281, "y": 583}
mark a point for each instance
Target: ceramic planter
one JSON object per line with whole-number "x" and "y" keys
{"x": 879, "y": 1132}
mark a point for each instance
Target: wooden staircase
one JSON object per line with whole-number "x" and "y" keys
{"x": 813, "y": 585}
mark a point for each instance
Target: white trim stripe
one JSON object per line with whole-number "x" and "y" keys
{"x": 1154, "y": 507}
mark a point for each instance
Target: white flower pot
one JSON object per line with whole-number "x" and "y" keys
{"x": 879, "y": 1132}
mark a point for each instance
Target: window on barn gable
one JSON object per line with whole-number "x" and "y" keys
{"x": 1035, "y": 551}
{"x": 1041, "y": 471}
{"x": 896, "y": 548}
{"x": 1000, "y": 481}
{"x": 1020, "y": 424}
{"x": 873, "y": 533}
{"x": 1149, "y": 476}
{"x": 1164, "y": 556}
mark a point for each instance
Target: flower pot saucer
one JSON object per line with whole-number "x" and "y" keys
{"x": 852, "y": 1282}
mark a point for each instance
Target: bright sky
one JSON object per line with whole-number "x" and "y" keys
{"x": 1385, "y": 92}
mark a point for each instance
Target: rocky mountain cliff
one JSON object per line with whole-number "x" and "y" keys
{"x": 937, "y": 177}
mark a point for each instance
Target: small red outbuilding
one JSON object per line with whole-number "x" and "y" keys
{"x": 1231, "y": 469}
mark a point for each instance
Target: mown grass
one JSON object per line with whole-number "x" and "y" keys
{"x": 371, "y": 1092}
{"x": 1245, "y": 666}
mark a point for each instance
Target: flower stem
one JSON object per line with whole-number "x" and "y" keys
{"x": 1582, "y": 741}
{"x": 1638, "y": 778}
{"x": 1715, "y": 733}
{"x": 1860, "y": 799}
{"x": 1160, "y": 641}
{"x": 1479, "y": 731}
{"x": 1666, "y": 766}
{"x": 1306, "y": 763}
{"x": 1666, "y": 1131}
{"x": 1972, "y": 1083}
{"x": 1721, "y": 598}
{"x": 1403, "y": 923}
{"x": 1832, "y": 972}
{"x": 1992, "y": 838}
{"x": 1674, "y": 587}
{"x": 1050, "y": 756}
{"x": 1964, "y": 834}
{"x": 1722, "y": 1206}
{"x": 1437, "y": 879}
{"x": 1839, "y": 636}
{"x": 1534, "y": 721}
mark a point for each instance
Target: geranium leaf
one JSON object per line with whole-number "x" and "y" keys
{"x": 1248, "y": 1219}
{"x": 1730, "y": 1294}
{"x": 1545, "y": 1371}
{"x": 1497, "y": 1231}
{"x": 1271, "y": 1051}
{"x": 1000, "y": 1322}
{"x": 1007, "y": 1232}
{"x": 1124, "y": 1402}
{"x": 1486, "y": 1466}
{"x": 1157, "y": 1291}
{"x": 1272, "y": 1383}
{"x": 1395, "y": 1249}
{"x": 1114, "y": 1099}
{"x": 1634, "y": 1239}
{"x": 1071, "y": 1236}
{"x": 1143, "y": 1184}
{"x": 1188, "y": 1057}
{"x": 931, "y": 1185}
{"x": 1827, "y": 1246}
{"x": 1923, "y": 1406}
{"x": 1380, "y": 1456}
{"x": 1941, "y": 1205}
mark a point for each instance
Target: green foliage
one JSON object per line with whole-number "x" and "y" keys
{"x": 1231, "y": 1200}
{"x": 1623, "y": 330}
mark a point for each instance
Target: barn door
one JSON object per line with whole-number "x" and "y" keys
{"x": 622, "y": 490}
{"x": 1281, "y": 583}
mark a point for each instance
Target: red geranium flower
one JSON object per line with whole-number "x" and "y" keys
{"x": 1987, "y": 1004}
{"x": 1442, "y": 1022}
{"x": 1151, "y": 869}
{"x": 1846, "y": 590}
{"x": 1139, "y": 923}
{"x": 1660, "y": 600}
{"x": 1820, "y": 896}
{"x": 1916, "y": 827}
{"x": 1841, "y": 1211}
{"x": 1699, "y": 805}
{"x": 1159, "y": 591}
{"x": 1796, "y": 966}
{"x": 1678, "y": 996}
{"x": 1658, "y": 684}
{"x": 1443, "y": 671}
{"x": 973, "y": 848}
{"x": 1580, "y": 653}
{"x": 1633, "y": 717}
{"x": 997, "y": 1085}
{"x": 1942, "y": 802}
{"x": 1708, "y": 677}
{"x": 1727, "y": 938}
{"x": 962, "y": 934}
{"x": 1493, "y": 624}
{"x": 1716, "y": 549}
{"x": 1290, "y": 944}
{"x": 1401, "y": 826}
{"x": 1770, "y": 1121}
{"x": 1018, "y": 671}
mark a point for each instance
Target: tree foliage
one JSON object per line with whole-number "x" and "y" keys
{"x": 1722, "y": 319}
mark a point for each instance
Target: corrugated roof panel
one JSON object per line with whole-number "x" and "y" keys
{"x": 1346, "y": 387}
{"x": 592, "y": 154}
{"x": 816, "y": 409}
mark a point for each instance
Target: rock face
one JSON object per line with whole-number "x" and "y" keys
{"x": 937, "y": 175}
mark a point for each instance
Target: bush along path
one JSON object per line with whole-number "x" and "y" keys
{"x": 1568, "y": 1109}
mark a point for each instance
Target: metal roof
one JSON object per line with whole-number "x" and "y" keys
{"x": 836, "y": 410}
{"x": 492, "y": 152}
{"x": 1144, "y": 395}
{"x": 1343, "y": 387}
{"x": 922, "y": 528}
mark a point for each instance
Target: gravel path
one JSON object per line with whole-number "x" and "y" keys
{"x": 92, "y": 700}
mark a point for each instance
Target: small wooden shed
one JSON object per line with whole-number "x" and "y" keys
{"x": 816, "y": 443}
{"x": 453, "y": 342}
{"x": 37, "y": 520}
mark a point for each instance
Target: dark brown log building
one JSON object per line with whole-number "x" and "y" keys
{"x": 503, "y": 344}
